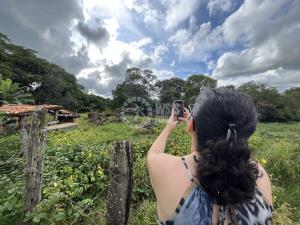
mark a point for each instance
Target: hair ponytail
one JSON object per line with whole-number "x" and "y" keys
{"x": 226, "y": 173}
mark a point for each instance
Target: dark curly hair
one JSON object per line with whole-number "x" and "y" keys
{"x": 224, "y": 168}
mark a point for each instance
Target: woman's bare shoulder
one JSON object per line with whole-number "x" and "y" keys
{"x": 263, "y": 183}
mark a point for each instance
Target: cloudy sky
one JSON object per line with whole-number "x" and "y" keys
{"x": 233, "y": 41}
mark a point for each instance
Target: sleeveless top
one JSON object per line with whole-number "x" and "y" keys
{"x": 196, "y": 208}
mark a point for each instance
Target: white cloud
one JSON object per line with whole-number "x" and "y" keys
{"x": 158, "y": 52}
{"x": 211, "y": 64}
{"x": 150, "y": 14}
{"x": 272, "y": 54}
{"x": 163, "y": 74}
{"x": 216, "y": 6}
{"x": 252, "y": 20}
{"x": 199, "y": 45}
{"x": 142, "y": 42}
{"x": 112, "y": 25}
{"x": 109, "y": 62}
{"x": 178, "y": 11}
{"x": 279, "y": 78}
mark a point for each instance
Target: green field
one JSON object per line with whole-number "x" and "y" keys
{"x": 76, "y": 169}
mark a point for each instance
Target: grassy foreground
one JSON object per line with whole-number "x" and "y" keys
{"x": 76, "y": 169}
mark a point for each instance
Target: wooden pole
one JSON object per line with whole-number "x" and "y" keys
{"x": 56, "y": 115}
{"x": 120, "y": 183}
{"x": 1, "y": 127}
{"x": 24, "y": 137}
{"x": 34, "y": 159}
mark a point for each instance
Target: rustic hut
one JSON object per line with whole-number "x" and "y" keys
{"x": 18, "y": 114}
{"x": 66, "y": 116}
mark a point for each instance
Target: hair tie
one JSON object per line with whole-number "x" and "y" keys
{"x": 231, "y": 126}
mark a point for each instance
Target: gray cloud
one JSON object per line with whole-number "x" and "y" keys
{"x": 98, "y": 35}
{"x": 44, "y": 27}
{"x": 92, "y": 83}
{"x": 103, "y": 82}
{"x": 47, "y": 27}
{"x": 77, "y": 61}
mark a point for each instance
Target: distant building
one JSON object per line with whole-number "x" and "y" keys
{"x": 18, "y": 114}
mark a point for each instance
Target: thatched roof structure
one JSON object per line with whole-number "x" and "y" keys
{"x": 18, "y": 110}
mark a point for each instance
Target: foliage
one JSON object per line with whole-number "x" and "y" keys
{"x": 177, "y": 88}
{"x": 93, "y": 102}
{"x": 10, "y": 180}
{"x": 193, "y": 85}
{"x": 143, "y": 77}
{"x": 22, "y": 66}
{"x": 170, "y": 89}
{"x": 76, "y": 172}
{"x": 292, "y": 101}
{"x": 138, "y": 83}
{"x": 271, "y": 105}
{"x": 12, "y": 93}
{"x": 3, "y": 117}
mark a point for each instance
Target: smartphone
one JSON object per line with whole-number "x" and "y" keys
{"x": 179, "y": 107}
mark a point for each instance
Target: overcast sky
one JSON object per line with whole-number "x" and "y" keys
{"x": 233, "y": 41}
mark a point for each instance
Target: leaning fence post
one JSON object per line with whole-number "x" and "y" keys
{"x": 34, "y": 159}
{"x": 120, "y": 183}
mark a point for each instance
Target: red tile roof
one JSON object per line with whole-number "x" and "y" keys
{"x": 12, "y": 109}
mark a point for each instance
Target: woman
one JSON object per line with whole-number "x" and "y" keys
{"x": 217, "y": 183}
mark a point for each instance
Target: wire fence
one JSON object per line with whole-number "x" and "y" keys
{"x": 12, "y": 167}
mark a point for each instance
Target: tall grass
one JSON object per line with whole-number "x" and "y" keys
{"x": 76, "y": 172}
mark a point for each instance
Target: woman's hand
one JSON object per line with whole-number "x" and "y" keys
{"x": 186, "y": 115}
{"x": 188, "y": 119}
{"x": 171, "y": 123}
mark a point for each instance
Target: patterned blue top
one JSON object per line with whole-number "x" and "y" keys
{"x": 195, "y": 208}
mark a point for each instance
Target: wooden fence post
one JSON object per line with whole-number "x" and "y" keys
{"x": 120, "y": 183}
{"x": 34, "y": 159}
{"x": 24, "y": 137}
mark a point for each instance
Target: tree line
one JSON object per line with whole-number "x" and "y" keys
{"x": 26, "y": 78}
{"x": 21, "y": 69}
{"x": 271, "y": 105}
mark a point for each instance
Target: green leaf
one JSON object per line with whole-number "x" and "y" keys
{"x": 36, "y": 219}
{"x": 60, "y": 216}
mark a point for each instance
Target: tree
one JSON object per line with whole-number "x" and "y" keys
{"x": 22, "y": 66}
{"x": 95, "y": 103}
{"x": 292, "y": 101}
{"x": 146, "y": 78}
{"x": 12, "y": 93}
{"x": 269, "y": 103}
{"x": 170, "y": 89}
{"x": 193, "y": 85}
{"x": 138, "y": 83}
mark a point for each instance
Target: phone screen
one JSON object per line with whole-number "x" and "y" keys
{"x": 179, "y": 106}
